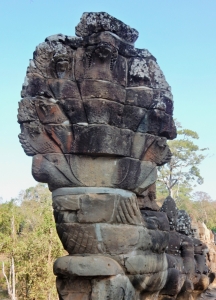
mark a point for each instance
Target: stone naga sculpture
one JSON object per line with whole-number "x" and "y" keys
{"x": 95, "y": 115}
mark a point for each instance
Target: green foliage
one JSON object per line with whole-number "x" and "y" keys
{"x": 204, "y": 209}
{"x": 178, "y": 178}
{"x": 182, "y": 172}
{"x": 28, "y": 235}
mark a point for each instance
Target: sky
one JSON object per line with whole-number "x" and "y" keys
{"x": 181, "y": 34}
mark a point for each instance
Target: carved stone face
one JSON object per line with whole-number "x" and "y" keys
{"x": 62, "y": 68}
{"x": 103, "y": 51}
{"x": 195, "y": 229}
{"x": 183, "y": 223}
{"x": 169, "y": 207}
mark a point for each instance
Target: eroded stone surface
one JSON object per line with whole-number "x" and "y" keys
{"x": 96, "y": 114}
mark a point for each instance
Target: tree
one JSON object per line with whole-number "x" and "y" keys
{"x": 204, "y": 209}
{"x": 182, "y": 172}
{"x": 32, "y": 242}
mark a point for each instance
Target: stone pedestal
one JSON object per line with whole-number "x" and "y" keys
{"x": 112, "y": 254}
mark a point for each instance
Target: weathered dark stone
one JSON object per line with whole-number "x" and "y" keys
{"x": 49, "y": 111}
{"x": 169, "y": 207}
{"x": 34, "y": 139}
{"x": 27, "y": 111}
{"x": 64, "y": 89}
{"x": 101, "y": 140}
{"x": 35, "y": 85}
{"x": 157, "y": 122}
{"x": 96, "y": 116}
{"x": 103, "y": 90}
{"x": 158, "y": 152}
{"x": 74, "y": 109}
{"x": 101, "y": 61}
{"x": 102, "y": 21}
{"x": 61, "y": 135}
{"x": 95, "y": 209}
{"x": 100, "y": 111}
{"x": 174, "y": 283}
{"x": 88, "y": 266}
{"x": 132, "y": 115}
{"x": 54, "y": 170}
{"x": 158, "y": 218}
{"x": 139, "y": 96}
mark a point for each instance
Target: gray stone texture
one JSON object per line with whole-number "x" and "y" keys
{"x": 95, "y": 115}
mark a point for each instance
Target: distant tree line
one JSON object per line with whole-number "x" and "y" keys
{"x": 179, "y": 177}
{"x": 28, "y": 246}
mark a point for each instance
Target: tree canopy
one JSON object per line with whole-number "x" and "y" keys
{"x": 29, "y": 238}
{"x": 179, "y": 176}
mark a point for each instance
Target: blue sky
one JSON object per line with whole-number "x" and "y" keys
{"x": 181, "y": 34}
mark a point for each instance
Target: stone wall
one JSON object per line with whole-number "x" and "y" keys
{"x": 95, "y": 115}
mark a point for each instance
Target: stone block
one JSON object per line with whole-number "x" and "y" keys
{"x": 67, "y": 202}
{"x": 81, "y": 60}
{"x": 113, "y": 288}
{"x": 158, "y": 218}
{"x": 101, "y": 139}
{"x": 129, "y": 172}
{"x": 163, "y": 98}
{"x": 65, "y": 216}
{"x": 86, "y": 266}
{"x": 27, "y": 111}
{"x": 61, "y": 134}
{"x": 158, "y": 152}
{"x": 138, "y": 72}
{"x": 121, "y": 239}
{"x": 96, "y": 208}
{"x": 79, "y": 238}
{"x": 141, "y": 143}
{"x": 157, "y": 122}
{"x": 67, "y": 170}
{"x": 100, "y": 111}
{"x": 127, "y": 211}
{"x": 73, "y": 288}
{"x": 145, "y": 264}
{"x": 169, "y": 207}
{"x": 174, "y": 243}
{"x": 100, "y": 61}
{"x": 147, "y": 177}
{"x": 102, "y": 89}
{"x": 54, "y": 170}
{"x": 149, "y": 282}
{"x": 74, "y": 110}
{"x": 135, "y": 175}
{"x": 49, "y": 111}
{"x": 148, "y": 147}
{"x": 200, "y": 263}
{"x": 34, "y": 139}
{"x": 175, "y": 262}
{"x": 54, "y": 60}
{"x": 141, "y": 96}
{"x": 174, "y": 283}
{"x": 146, "y": 203}
{"x": 35, "y": 85}
{"x": 94, "y": 171}
{"x": 64, "y": 89}
{"x": 132, "y": 116}
{"x": 159, "y": 241}
{"x": 105, "y": 22}
{"x": 102, "y": 37}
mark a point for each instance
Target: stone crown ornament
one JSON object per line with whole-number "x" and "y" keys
{"x": 96, "y": 114}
